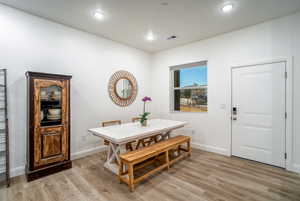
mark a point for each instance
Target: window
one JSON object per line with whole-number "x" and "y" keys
{"x": 189, "y": 87}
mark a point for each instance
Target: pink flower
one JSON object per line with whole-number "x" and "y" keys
{"x": 146, "y": 98}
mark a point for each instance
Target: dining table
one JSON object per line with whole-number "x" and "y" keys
{"x": 119, "y": 135}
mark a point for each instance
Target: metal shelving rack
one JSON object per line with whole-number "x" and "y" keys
{"x": 4, "y": 142}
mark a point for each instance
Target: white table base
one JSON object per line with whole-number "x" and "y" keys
{"x": 113, "y": 152}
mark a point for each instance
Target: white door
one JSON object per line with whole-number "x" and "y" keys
{"x": 258, "y": 113}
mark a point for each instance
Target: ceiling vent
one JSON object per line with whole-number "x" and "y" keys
{"x": 172, "y": 37}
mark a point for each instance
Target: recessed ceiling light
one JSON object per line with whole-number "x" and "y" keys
{"x": 150, "y": 36}
{"x": 227, "y": 8}
{"x": 98, "y": 15}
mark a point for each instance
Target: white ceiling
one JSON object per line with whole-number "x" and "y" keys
{"x": 128, "y": 21}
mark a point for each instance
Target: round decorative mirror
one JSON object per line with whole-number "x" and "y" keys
{"x": 122, "y": 88}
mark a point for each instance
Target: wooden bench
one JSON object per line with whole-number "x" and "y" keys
{"x": 137, "y": 157}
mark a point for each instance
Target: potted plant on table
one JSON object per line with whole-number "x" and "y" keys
{"x": 144, "y": 116}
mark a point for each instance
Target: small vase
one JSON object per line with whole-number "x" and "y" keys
{"x": 144, "y": 124}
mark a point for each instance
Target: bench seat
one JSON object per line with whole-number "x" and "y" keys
{"x": 141, "y": 155}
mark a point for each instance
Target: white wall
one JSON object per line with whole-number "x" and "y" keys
{"x": 211, "y": 131}
{"x": 35, "y": 44}
{"x": 31, "y": 43}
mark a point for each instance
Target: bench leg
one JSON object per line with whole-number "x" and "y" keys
{"x": 131, "y": 177}
{"x": 178, "y": 150}
{"x": 167, "y": 160}
{"x": 120, "y": 171}
{"x": 189, "y": 148}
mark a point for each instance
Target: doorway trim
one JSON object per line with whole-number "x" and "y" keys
{"x": 289, "y": 130}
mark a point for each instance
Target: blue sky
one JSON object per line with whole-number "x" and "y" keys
{"x": 189, "y": 76}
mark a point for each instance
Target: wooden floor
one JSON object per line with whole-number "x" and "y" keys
{"x": 204, "y": 176}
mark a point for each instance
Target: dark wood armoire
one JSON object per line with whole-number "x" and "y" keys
{"x": 48, "y": 140}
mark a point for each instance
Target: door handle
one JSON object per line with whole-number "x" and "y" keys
{"x": 234, "y": 114}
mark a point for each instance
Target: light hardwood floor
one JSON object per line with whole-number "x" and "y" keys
{"x": 204, "y": 176}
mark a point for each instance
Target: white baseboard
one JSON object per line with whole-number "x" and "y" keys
{"x": 296, "y": 168}
{"x": 218, "y": 150}
{"x": 210, "y": 148}
{"x": 80, "y": 154}
{"x": 17, "y": 171}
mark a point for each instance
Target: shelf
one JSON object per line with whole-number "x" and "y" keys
{"x": 2, "y": 163}
{"x": 50, "y": 101}
{"x": 51, "y": 122}
{"x": 2, "y": 169}
{"x": 51, "y": 107}
{"x": 50, "y": 104}
{"x": 4, "y": 159}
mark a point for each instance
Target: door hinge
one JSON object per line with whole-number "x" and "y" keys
{"x": 285, "y": 156}
{"x": 285, "y": 75}
{"x": 285, "y": 115}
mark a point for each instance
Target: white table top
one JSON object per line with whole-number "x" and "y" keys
{"x": 120, "y": 134}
